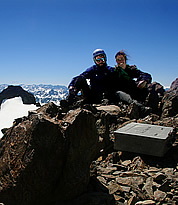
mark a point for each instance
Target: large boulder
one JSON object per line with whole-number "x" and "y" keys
{"x": 156, "y": 93}
{"x": 174, "y": 84}
{"x": 46, "y": 156}
{"x": 170, "y": 101}
{"x": 17, "y": 91}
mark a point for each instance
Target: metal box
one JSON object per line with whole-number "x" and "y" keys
{"x": 144, "y": 138}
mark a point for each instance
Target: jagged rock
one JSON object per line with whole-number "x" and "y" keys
{"x": 44, "y": 159}
{"x": 146, "y": 202}
{"x": 114, "y": 187}
{"x": 148, "y": 187}
{"x": 32, "y": 154}
{"x": 170, "y": 101}
{"x": 174, "y": 84}
{"x": 159, "y": 195}
{"x": 132, "y": 200}
{"x": 156, "y": 92}
{"x": 17, "y": 91}
{"x": 168, "y": 122}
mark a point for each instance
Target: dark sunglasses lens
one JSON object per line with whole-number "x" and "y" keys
{"x": 100, "y": 59}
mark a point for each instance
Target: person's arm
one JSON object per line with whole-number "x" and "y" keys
{"x": 85, "y": 75}
{"x": 142, "y": 78}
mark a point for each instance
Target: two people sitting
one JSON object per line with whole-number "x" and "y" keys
{"x": 101, "y": 81}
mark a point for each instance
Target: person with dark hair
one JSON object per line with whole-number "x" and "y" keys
{"x": 129, "y": 79}
{"x": 125, "y": 88}
{"x": 93, "y": 82}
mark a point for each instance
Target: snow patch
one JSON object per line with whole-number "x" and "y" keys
{"x": 12, "y": 109}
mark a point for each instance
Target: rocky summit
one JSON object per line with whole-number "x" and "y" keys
{"x": 62, "y": 156}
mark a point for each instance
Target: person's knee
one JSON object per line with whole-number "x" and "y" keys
{"x": 122, "y": 96}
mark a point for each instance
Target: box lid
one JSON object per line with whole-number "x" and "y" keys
{"x": 145, "y": 130}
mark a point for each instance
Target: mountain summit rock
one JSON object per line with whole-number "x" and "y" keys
{"x": 65, "y": 156}
{"x": 46, "y": 158}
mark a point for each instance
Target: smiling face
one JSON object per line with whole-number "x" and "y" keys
{"x": 100, "y": 60}
{"x": 121, "y": 61}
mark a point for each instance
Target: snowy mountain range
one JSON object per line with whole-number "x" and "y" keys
{"x": 44, "y": 93}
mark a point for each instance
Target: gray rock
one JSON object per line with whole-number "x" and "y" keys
{"x": 148, "y": 187}
{"x": 159, "y": 195}
{"x": 44, "y": 158}
{"x": 145, "y": 202}
{"x": 170, "y": 101}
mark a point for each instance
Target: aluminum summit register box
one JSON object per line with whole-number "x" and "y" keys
{"x": 144, "y": 138}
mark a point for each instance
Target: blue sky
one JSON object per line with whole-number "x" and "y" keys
{"x": 51, "y": 41}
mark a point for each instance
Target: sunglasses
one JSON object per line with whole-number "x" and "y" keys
{"x": 100, "y": 59}
{"x": 121, "y": 59}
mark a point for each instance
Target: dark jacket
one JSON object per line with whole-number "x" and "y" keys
{"x": 99, "y": 78}
{"x": 131, "y": 72}
{"x": 127, "y": 80}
